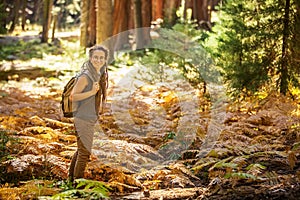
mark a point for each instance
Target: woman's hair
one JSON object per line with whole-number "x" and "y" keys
{"x": 98, "y": 48}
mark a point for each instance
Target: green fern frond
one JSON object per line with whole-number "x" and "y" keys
{"x": 92, "y": 190}
{"x": 255, "y": 166}
{"x": 240, "y": 175}
{"x": 296, "y": 146}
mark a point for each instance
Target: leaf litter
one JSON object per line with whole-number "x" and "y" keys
{"x": 256, "y": 155}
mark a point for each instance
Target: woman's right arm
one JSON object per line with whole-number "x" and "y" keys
{"x": 78, "y": 95}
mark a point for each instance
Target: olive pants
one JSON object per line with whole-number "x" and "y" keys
{"x": 84, "y": 133}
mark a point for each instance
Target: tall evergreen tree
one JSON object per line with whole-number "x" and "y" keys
{"x": 253, "y": 44}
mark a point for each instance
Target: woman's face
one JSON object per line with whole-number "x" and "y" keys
{"x": 98, "y": 59}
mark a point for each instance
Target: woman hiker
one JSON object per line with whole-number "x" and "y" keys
{"x": 89, "y": 93}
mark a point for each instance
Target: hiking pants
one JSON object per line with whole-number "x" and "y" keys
{"x": 84, "y": 134}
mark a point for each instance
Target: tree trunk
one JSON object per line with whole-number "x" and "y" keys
{"x": 146, "y": 20}
{"x": 104, "y": 20}
{"x": 138, "y": 24}
{"x": 24, "y": 4}
{"x": 200, "y": 10}
{"x": 46, "y": 20}
{"x": 15, "y": 15}
{"x": 170, "y": 8}
{"x": 84, "y": 18}
{"x": 54, "y": 27}
{"x": 296, "y": 39}
{"x": 37, "y": 11}
{"x": 157, "y": 9}
{"x": 131, "y": 15}
{"x": 188, "y": 4}
{"x": 284, "y": 61}
{"x": 120, "y": 23}
{"x": 91, "y": 37}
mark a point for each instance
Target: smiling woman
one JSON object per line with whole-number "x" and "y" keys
{"x": 89, "y": 92}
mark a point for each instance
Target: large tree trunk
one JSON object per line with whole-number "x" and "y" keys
{"x": 120, "y": 23}
{"x": 146, "y": 20}
{"x": 91, "y": 36}
{"x": 84, "y": 18}
{"x": 157, "y": 9}
{"x": 104, "y": 20}
{"x": 284, "y": 61}
{"x": 200, "y": 10}
{"x": 138, "y": 24}
{"x": 131, "y": 15}
{"x": 46, "y": 19}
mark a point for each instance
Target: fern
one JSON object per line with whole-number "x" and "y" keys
{"x": 296, "y": 146}
{"x": 255, "y": 166}
{"x": 240, "y": 175}
{"x": 223, "y": 164}
{"x": 85, "y": 189}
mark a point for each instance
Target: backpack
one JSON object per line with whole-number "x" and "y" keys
{"x": 68, "y": 106}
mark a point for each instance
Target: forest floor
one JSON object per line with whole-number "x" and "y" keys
{"x": 149, "y": 145}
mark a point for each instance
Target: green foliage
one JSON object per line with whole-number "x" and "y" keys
{"x": 3, "y": 15}
{"x": 25, "y": 50}
{"x": 170, "y": 135}
{"x": 247, "y": 43}
{"x": 255, "y": 166}
{"x": 88, "y": 189}
{"x": 180, "y": 48}
{"x": 4, "y": 139}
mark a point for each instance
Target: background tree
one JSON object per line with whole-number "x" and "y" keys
{"x": 295, "y": 44}
{"x": 142, "y": 18}
{"x": 169, "y": 11}
{"x": 121, "y": 17}
{"x": 84, "y": 22}
{"x": 92, "y": 19}
{"x": 104, "y": 20}
{"x": 3, "y": 17}
{"x": 254, "y": 43}
{"x": 46, "y": 19}
{"x": 157, "y": 9}
{"x": 15, "y": 15}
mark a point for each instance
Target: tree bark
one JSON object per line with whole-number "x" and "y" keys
{"x": 138, "y": 24}
{"x": 169, "y": 11}
{"x": 296, "y": 39}
{"x": 120, "y": 23}
{"x": 200, "y": 10}
{"x": 104, "y": 20}
{"x": 146, "y": 20}
{"x": 84, "y": 22}
{"x": 284, "y": 61}
{"x": 91, "y": 30}
{"x": 188, "y": 4}
{"x": 46, "y": 19}
{"x": 157, "y": 9}
{"x": 54, "y": 27}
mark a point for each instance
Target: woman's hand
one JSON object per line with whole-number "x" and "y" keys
{"x": 95, "y": 88}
